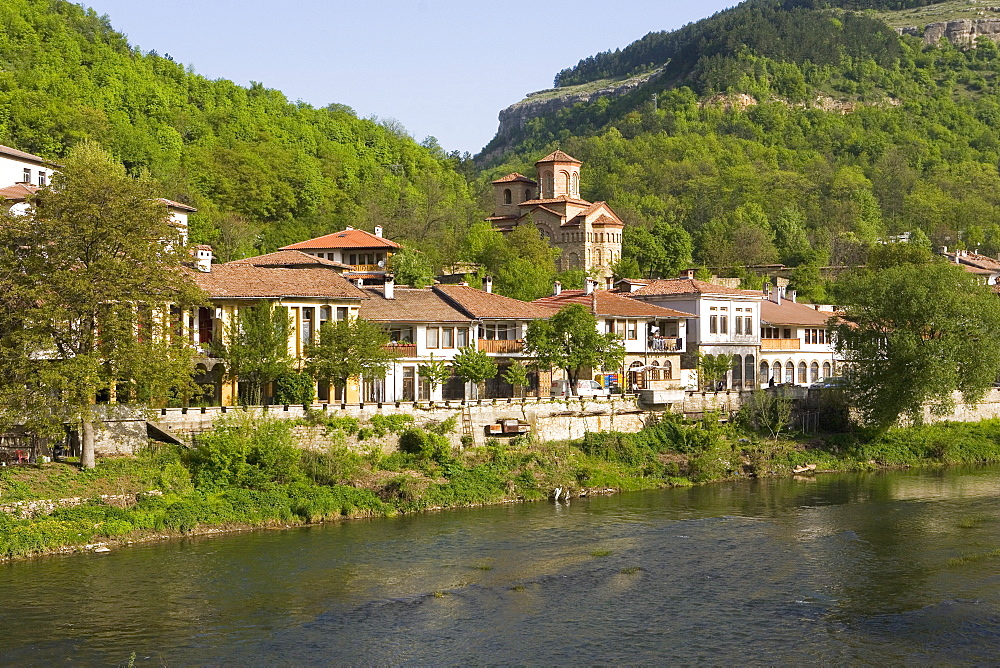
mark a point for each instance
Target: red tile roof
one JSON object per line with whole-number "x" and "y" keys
{"x": 18, "y": 192}
{"x": 245, "y": 281}
{"x": 409, "y": 305}
{"x": 349, "y": 238}
{"x": 176, "y": 205}
{"x": 681, "y": 286}
{"x": 554, "y": 200}
{"x": 976, "y": 260}
{"x": 289, "y": 258}
{"x": 558, "y": 156}
{"x": 481, "y": 304}
{"x": 510, "y": 178}
{"x": 792, "y": 313}
{"x": 604, "y": 303}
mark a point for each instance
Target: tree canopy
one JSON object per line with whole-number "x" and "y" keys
{"x": 570, "y": 340}
{"x": 349, "y": 349}
{"x": 915, "y": 333}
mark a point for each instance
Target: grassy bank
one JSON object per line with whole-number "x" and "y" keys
{"x": 249, "y": 473}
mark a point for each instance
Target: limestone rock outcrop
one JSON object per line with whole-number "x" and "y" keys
{"x": 963, "y": 32}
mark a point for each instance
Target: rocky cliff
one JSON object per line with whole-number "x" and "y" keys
{"x": 549, "y": 101}
{"x": 963, "y": 32}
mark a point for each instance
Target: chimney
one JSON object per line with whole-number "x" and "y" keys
{"x": 488, "y": 284}
{"x": 795, "y": 294}
{"x": 203, "y": 258}
{"x": 944, "y": 250}
{"x": 348, "y": 228}
{"x": 390, "y": 286}
{"x": 776, "y": 295}
{"x": 589, "y": 285}
{"x": 378, "y": 230}
{"x": 556, "y": 289}
{"x": 687, "y": 273}
{"x": 360, "y": 282}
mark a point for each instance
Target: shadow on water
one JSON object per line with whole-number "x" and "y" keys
{"x": 836, "y": 568}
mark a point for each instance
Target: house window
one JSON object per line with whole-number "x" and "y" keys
{"x": 748, "y": 324}
{"x": 341, "y": 313}
{"x": 447, "y": 337}
{"x": 463, "y": 337}
{"x": 713, "y": 324}
{"x": 401, "y": 334}
{"x": 307, "y": 326}
{"x": 432, "y": 337}
{"x": 632, "y": 329}
{"x": 27, "y": 176}
{"x": 506, "y": 196}
{"x": 814, "y": 372}
{"x": 776, "y": 373}
{"x": 826, "y": 369}
{"x": 739, "y": 325}
{"x": 724, "y": 324}
{"x": 802, "y": 372}
{"x": 789, "y": 372}
{"x": 41, "y": 178}
{"x": 497, "y": 332}
{"x": 353, "y": 258}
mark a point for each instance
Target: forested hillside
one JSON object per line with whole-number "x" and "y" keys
{"x": 262, "y": 170}
{"x": 785, "y": 133}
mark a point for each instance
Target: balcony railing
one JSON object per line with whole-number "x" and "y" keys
{"x": 367, "y": 267}
{"x": 403, "y": 349}
{"x": 665, "y": 343}
{"x": 779, "y": 344}
{"x": 501, "y": 346}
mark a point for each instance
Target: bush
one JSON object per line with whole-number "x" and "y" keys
{"x": 246, "y": 453}
{"x": 293, "y": 388}
{"x": 426, "y": 444}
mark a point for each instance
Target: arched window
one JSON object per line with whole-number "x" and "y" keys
{"x": 575, "y": 184}
{"x": 749, "y": 367}
{"x": 574, "y": 261}
{"x": 547, "y": 184}
{"x": 826, "y": 369}
{"x": 789, "y": 372}
{"x": 527, "y": 194}
{"x": 506, "y": 196}
{"x": 765, "y": 372}
{"x": 737, "y": 371}
{"x": 635, "y": 379}
{"x": 814, "y": 372}
{"x": 599, "y": 256}
{"x": 563, "y": 182}
{"x": 802, "y": 372}
{"x": 776, "y": 372}
{"x": 654, "y": 372}
{"x": 668, "y": 370}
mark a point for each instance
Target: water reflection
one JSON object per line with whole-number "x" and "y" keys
{"x": 840, "y": 568}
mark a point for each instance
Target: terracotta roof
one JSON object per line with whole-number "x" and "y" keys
{"x": 976, "y": 260}
{"x": 791, "y": 313}
{"x": 21, "y": 155}
{"x": 409, "y": 305}
{"x": 176, "y": 205}
{"x": 348, "y": 238}
{"x": 554, "y": 200}
{"x": 481, "y": 304}
{"x": 558, "y": 156}
{"x": 510, "y": 178}
{"x": 604, "y": 303}
{"x": 289, "y": 258}
{"x": 236, "y": 280}
{"x": 18, "y": 192}
{"x": 681, "y": 286}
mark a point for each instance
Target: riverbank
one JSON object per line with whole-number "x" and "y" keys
{"x": 250, "y": 474}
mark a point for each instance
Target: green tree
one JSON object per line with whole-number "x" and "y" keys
{"x": 914, "y": 333}
{"x": 437, "y": 372}
{"x": 712, "y": 369}
{"x": 349, "y": 349}
{"x": 569, "y": 340}
{"x": 474, "y": 366}
{"x": 255, "y": 348}
{"x": 88, "y": 275}
{"x": 411, "y": 267}
{"x": 517, "y": 375}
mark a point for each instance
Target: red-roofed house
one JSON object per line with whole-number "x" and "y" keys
{"x": 796, "y": 346}
{"x": 587, "y": 233}
{"x": 366, "y": 253}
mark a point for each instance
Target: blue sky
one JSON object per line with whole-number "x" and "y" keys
{"x": 439, "y": 67}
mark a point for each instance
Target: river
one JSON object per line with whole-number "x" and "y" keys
{"x": 836, "y": 569}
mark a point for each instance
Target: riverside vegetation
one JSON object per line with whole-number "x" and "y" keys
{"x": 250, "y": 473}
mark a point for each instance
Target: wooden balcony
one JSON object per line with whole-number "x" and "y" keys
{"x": 501, "y": 346}
{"x": 403, "y": 349}
{"x": 367, "y": 267}
{"x": 780, "y": 344}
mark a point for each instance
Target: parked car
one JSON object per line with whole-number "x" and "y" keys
{"x": 831, "y": 383}
{"x": 584, "y": 388}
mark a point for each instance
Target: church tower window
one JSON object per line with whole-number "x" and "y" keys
{"x": 506, "y": 196}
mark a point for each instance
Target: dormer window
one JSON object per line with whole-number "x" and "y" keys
{"x": 27, "y": 176}
{"x": 41, "y": 178}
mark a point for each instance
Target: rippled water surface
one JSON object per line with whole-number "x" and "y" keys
{"x": 837, "y": 569}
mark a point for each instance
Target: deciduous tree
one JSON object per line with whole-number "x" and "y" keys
{"x": 474, "y": 366}
{"x": 349, "y": 349}
{"x": 255, "y": 348}
{"x": 569, "y": 340}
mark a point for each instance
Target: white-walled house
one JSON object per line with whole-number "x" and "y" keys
{"x": 796, "y": 346}
{"x": 21, "y": 167}
{"x": 727, "y": 322}
{"x": 654, "y": 336}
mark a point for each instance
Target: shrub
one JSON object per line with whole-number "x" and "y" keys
{"x": 426, "y": 444}
{"x": 293, "y": 388}
{"x": 245, "y": 453}
{"x": 390, "y": 424}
